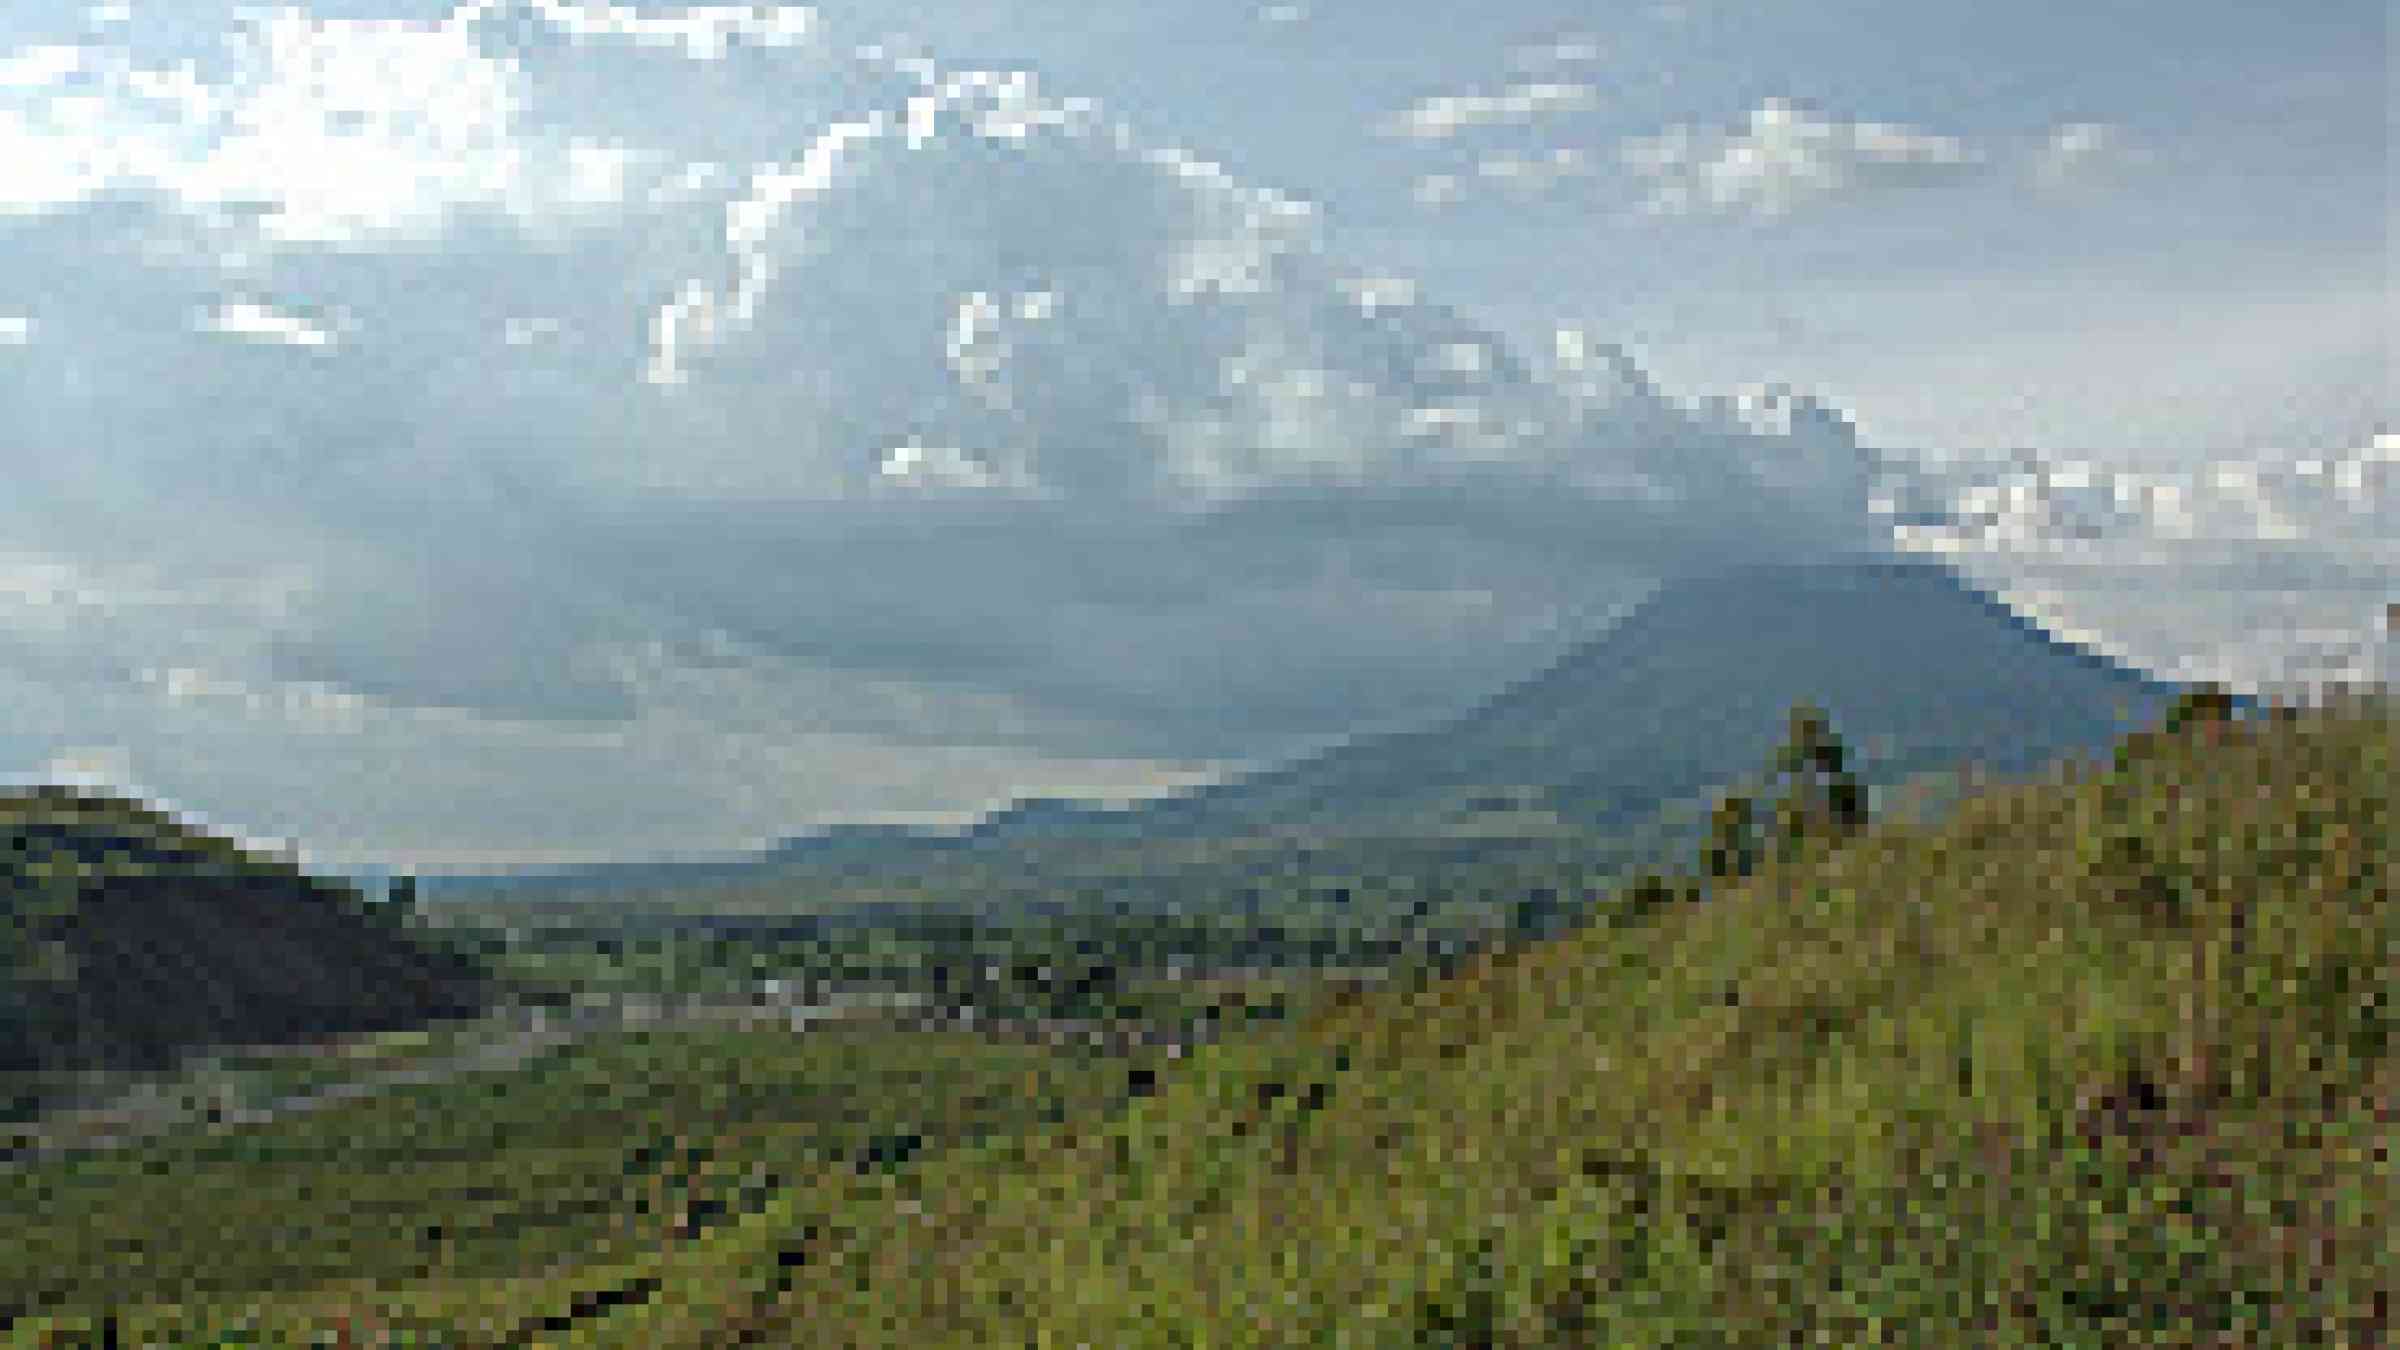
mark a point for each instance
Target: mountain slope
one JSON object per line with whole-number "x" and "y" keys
{"x": 1916, "y": 667}
{"x": 1918, "y": 670}
{"x": 127, "y": 938}
{"x": 2096, "y": 1062}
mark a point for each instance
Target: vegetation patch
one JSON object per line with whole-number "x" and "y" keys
{"x": 2100, "y": 1058}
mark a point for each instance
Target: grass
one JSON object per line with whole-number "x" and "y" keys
{"x": 608, "y": 1148}
{"x": 2103, "y": 1060}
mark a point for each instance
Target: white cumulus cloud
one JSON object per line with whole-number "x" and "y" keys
{"x": 704, "y": 32}
{"x": 1447, "y": 115}
{"x": 1783, "y": 158}
{"x": 251, "y": 320}
{"x": 319, "y": 131}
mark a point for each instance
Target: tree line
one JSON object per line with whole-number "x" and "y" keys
{"x": 1823, "y": 802}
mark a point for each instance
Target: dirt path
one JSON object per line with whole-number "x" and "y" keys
{"x": 500, "y": 1042}
{"x": 214, "y": 1099}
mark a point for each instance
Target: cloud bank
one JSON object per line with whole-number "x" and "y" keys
{"x": 423, "y": 463}
{"x": 2267, "y": 573}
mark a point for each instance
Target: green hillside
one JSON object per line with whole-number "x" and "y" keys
{"x": 2099, "y": 1060}
{"x": 2106, "y": 1062}
{"x": 588, "y": 1152}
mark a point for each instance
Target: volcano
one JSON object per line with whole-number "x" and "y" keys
{"x": 1918, "y": 669}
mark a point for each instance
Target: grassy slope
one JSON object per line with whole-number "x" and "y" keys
{"x": 597, "y": 1152}
{"x": 2101, "y": 1063}
{"x": 2106, "y": 1063}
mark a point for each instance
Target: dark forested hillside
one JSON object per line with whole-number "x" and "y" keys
{"x": 127, "y": 937}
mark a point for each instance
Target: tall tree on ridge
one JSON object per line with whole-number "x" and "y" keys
{"x": 1824, "y": 799}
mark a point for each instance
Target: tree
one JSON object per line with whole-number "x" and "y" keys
{"x": 2200, "y": 705}
{"x": 1732, "y": 848}
{"x": 1649, "y": 892}
{"x": 1823, "y": 799}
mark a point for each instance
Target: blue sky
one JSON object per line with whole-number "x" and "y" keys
{"x": 456, "y": 433}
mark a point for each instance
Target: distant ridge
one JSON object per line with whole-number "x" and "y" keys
{"x": 1919, "y": 670}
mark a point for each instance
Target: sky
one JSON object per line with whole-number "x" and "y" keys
{"x": 456, "y": 435}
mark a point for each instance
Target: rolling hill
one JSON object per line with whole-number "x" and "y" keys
{"x": 128, "y": 938}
